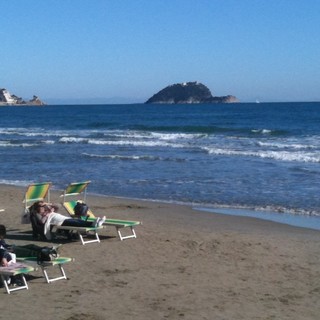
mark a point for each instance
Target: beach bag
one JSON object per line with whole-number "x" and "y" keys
{"x": 25, "y": 216}
{"x": 81, "y": 210}
{"x": 47, "y": 254}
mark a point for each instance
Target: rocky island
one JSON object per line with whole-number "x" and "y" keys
{"x": 7, "y": 99}
{"x": 188, "y": 93}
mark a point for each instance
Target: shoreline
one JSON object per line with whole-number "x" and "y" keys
{"x": 301, "y": 221}
{"x": 184, "y": 264}
{"x": 306, "y": 221}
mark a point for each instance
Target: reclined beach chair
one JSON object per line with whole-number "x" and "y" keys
{"x": 41, "y": 192}
{"x": 15, "y": 269}
{"x": 80, "y": 189}
{"x": 36, "y": 192}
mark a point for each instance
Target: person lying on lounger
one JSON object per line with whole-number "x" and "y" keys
{"x": 9, "y": 253}
{"x": 8, "y": 250}
{"x": 46, "y": 214}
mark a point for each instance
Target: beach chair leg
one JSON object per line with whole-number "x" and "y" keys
{"x": 48, "y": 279}
{"x": 9, "y": 290}
{"x": 97, "y": 239}
{"x": 132, "y": 235}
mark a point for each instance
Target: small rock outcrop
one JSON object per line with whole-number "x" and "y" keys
{"x": 188, "y": 93}
{"x": 35, "y": 101}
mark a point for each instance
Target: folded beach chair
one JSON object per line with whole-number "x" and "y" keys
{"x": 36, "y": 192}
{"x": 15, "y": 269}
{"x": 80, "y": 189}
{"x": 45, "y": 265}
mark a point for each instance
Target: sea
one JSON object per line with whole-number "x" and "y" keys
{"x": 245, "y": 158}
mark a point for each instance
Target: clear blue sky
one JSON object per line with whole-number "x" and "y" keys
{"x": 128, "y": 50}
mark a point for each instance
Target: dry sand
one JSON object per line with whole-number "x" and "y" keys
{"x": 184, "y": 264}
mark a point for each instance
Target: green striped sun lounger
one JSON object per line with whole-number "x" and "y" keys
{"x": 80, "y": 189}
{"x": 45, "y": 265}
{"x": 15, "y": 269}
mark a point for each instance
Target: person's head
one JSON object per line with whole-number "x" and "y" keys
{"x": 39, "y": 207}
{"x": 3, "y": 231}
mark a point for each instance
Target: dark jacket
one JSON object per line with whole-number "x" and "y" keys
{"x": 3, "y": 251}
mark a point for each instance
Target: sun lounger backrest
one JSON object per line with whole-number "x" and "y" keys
{"x": 37, "y": 192}
{"x": 76, "y": 189}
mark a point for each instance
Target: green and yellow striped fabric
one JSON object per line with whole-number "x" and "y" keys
{"x": 37, "y": 191}
{"x": 59, "y": 260}
{"x": 76, "y": 188}
{"x": 15, "y": 269}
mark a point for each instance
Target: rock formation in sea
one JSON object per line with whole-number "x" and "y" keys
{"x": 7, "y": 99}
{"x": 189, "y": 93}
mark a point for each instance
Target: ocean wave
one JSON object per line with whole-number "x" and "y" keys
{"x": 144, "y": 135}
{"x": 120, "y": 157}
{"x": 73, "y": 140}
{"x": 20, "y": 183}
{"x": 136, "y": 143}
{"x": 178, "y": 136}
{"x": 269, "y": 132}
{"x": 276, "y": 155}
{"x": 263, "y": 131}
{"x": 34, "y": 132}
{"x": 6, "y": 144}
{"x": 133, "y": 157}
{"x": 282, "y": 145}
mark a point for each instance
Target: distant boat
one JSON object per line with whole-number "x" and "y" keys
{"x": 257, "y": 101}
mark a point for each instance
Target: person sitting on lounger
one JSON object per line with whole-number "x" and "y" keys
{"x": 46, "y": 214}
{"x": 5, "y": 256}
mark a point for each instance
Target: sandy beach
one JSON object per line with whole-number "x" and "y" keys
{"x": 184, "y": 264}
